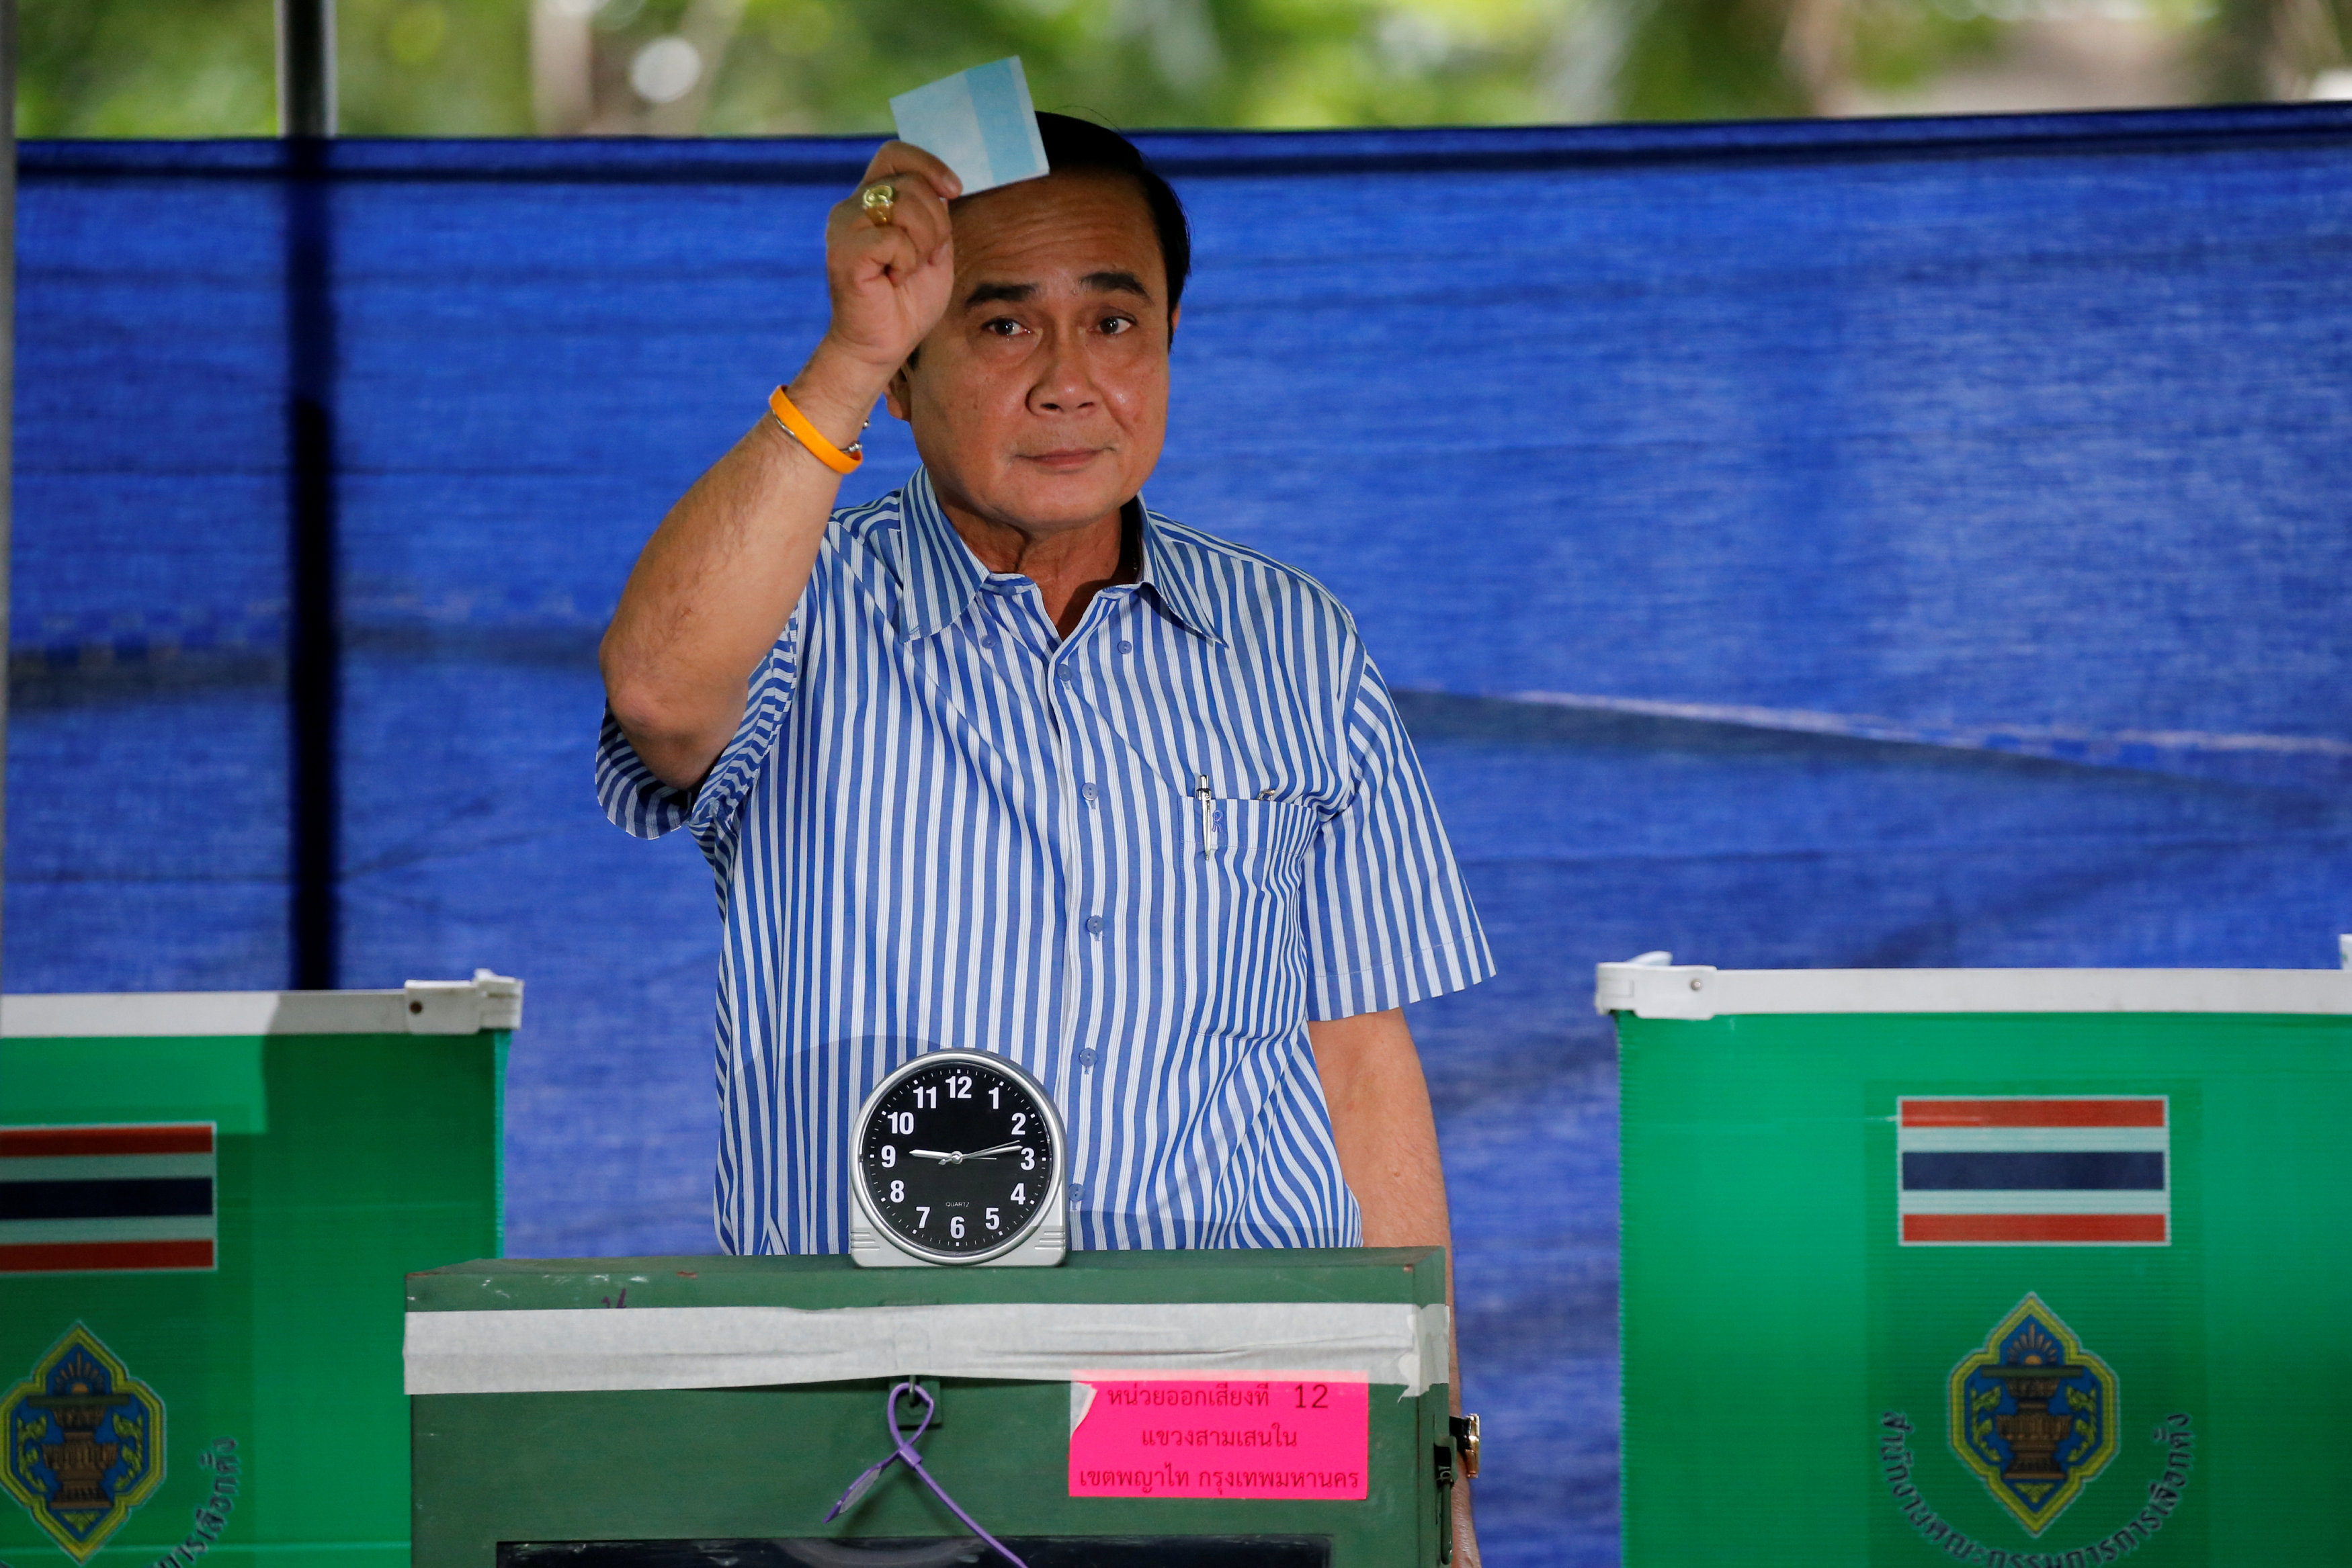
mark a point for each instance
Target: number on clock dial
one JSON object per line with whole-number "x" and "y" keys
{"x": 947, "y": 1206}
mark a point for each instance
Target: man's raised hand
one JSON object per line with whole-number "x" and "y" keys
{"x": 721, "y": 575}
{"x": 890, "y": 282}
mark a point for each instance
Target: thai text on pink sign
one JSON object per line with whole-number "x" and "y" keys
{"x": 1298, "y": 1435}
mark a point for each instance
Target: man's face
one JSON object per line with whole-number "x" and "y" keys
{"x": 1040, "y": 400}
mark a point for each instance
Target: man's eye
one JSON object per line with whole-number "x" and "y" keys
{"x": 1002, "y": 327}
{"x": 1116, "y": 325}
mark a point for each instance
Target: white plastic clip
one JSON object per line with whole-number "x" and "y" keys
{"x": 464, "y": 1007}
{"x": 1653, "y": 986}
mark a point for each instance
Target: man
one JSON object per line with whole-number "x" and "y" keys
{"x": 1005, "y": 760}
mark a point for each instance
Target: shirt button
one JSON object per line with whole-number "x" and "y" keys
{"x": 1089, "y": 791}
{"x": 1078, "y": 1189}
{"x": 1126, "y": 647}
{"x": 1093, "y": 928}
{"x": 1087, "y": 1061}
{"x": 989, "y": 641}
{"x": 1070, "y": 672}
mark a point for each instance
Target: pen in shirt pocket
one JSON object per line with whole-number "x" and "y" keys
{"x": 1211, "y": 818}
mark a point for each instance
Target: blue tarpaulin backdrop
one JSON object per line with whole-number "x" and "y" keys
{"x": 1911, "y": 543}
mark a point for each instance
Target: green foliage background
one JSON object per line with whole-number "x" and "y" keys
{"x": 437, "y": 68}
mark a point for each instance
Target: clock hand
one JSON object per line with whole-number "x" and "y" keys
{"x": 957, "y": 1159}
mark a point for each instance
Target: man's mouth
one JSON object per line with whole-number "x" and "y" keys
{"x": 1065, "y": 459}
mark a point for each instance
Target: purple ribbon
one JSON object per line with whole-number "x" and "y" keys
{"x": 903, "y": 1446}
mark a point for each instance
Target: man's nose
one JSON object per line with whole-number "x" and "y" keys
{"x": 1066, "y": 382}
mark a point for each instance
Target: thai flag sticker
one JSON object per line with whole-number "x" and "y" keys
{"x": 78, "y": 1199}
{"x": 2086, "y": 1170}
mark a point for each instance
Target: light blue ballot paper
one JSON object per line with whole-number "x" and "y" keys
{"x": 978, "y": 122}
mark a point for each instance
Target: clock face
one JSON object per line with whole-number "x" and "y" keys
{"x": 958, "y": 1154}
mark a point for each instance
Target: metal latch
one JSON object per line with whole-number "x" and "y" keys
{"x": 1465, "y": 1443}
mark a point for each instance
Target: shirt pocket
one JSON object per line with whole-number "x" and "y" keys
{"x": 1255, "y": 846}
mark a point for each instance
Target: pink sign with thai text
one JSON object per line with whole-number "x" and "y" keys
{"x": 1299, "y": 1434}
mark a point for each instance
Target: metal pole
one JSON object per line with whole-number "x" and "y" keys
{"x": 306, "y": 67}
{"x": 314, "y": 653}
{"x": 8, "y": 396}
{"x": 306, "y": 120}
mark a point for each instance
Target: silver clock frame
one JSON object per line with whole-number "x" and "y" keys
{"x": 1041, "y": 1241}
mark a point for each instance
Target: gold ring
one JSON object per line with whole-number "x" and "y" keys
{"x": 877, "y": 199}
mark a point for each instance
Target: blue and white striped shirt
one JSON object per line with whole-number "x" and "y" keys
{"x": 942, "y": 824}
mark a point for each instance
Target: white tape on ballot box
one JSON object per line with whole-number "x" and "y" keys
{"x": 536, "y": 1350}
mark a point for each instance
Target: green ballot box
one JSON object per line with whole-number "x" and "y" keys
{"x": 1246, "y": 1410}
{"x": 2031, "y": 1268}
{"x": 207, "y": 1204}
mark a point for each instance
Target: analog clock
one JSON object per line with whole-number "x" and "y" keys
{"x": 958, "y": 1160}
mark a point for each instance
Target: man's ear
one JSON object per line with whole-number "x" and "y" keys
{"x": 899, "y": 396}
{"x": 1173, "y": 318}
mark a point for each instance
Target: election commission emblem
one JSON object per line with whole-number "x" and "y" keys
{"x": 85, "y": 1443}
{"x": 2034, "y": 1414}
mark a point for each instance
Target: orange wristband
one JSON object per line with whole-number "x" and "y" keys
{"x": 824, "y": 451}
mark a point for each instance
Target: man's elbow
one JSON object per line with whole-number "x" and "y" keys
{"x": 677, "y": 743}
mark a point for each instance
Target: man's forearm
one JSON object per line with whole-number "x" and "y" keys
{"x": 1387, "y": 1138}
{"x": 722, "y": 574}
{"x": 1385, "y": 1133}
{"x": 719, "y": 578}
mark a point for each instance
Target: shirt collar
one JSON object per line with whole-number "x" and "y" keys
{"x": 940, "y": 575}
{"x": 1166, "y": 573}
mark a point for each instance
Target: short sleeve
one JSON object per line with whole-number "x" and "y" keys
{"x": 638, "y": 802}
{"x": 1387, "y": 919}
{"x": 641, "y": 804}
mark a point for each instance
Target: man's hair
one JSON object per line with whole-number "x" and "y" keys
{"x": 1073, "y": 143}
